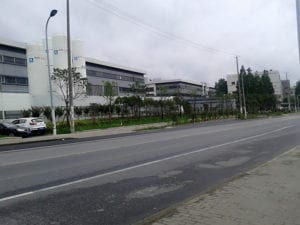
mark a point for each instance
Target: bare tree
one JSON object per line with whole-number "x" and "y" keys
{"x": 60, "y": 78}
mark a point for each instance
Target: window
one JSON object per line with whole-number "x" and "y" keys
{"x": 20, "y": 61}
{"x": 10, "y": 80}
{"x": 22, "y": 81}
{"x": 8, "y": 59}
{"x": 125, "y": 90}
{"x": 94, "y": 90}
{"x": 12, "y": 60}
{"x": 13, "y": 80}
{"x": 150, "y": 89}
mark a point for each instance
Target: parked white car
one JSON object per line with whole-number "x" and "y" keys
{"x": 36, "y": 125}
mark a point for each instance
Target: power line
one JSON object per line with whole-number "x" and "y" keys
{"x": 109, "y": 8}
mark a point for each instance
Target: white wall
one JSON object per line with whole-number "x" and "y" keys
{"x": 14, "y": 101}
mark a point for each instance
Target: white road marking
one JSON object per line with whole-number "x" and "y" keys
{"x": 140, "y": 165}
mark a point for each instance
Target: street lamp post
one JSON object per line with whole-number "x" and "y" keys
{"x": 52, "y": 14}
{"x": 70, "y": 78}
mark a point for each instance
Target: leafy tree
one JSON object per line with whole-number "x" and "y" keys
{"x": 36, "y": 111}
{"x": 78, "y": 111}
{"x": 162, "y": 92}
{"x": 139, "y": 90}
{"x": 297, "y": 90}
{"x": 194, "y": 97}
{"x": 59, "y": 112}
{"x": 47, "y": 112}
{"x": 259, "y": 91}
{"x": 109, "y": 94}
{"x": 221, "y": 87}
{"x": 26, "y": 113}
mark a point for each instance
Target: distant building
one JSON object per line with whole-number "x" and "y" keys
{"x": 176, "y": 87}
{"x": 232, "y": 81}
{"x": 198, "y": 94}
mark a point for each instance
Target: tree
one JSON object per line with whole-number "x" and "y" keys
{"x": 109, "y": 94}
{"x": 297, "y": 90}
{"x": 26, "y": 112}
{"x": 47, "y": 113}
{"x": 59, "y": 112}
{"x": 36, "y": 111}
{"x": 61, "y": 79}
{"x": 259, "y": 91}
{"x": 78, "y": 111}
{"x": 138, "y": 90}
{"x": 193, "y": 94}
{"x": 162, "y": 92}
{"x": 221, "y": 87}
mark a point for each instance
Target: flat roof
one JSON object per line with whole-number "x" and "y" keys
{"x": 11, "y": 43}
{"x": 175, "y": 81}
{"x": 114, "y": 66}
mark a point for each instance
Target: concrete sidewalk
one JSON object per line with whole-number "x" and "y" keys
{"x": 82, "y": 134}
{"x": 267, "y": 195}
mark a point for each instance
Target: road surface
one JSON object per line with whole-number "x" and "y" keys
{"x": 121, "y": 180}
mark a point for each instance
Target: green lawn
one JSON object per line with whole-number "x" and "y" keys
{"x": 83, "y": 125}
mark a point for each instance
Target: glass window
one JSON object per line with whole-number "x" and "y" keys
{"x": 20, "y": 61}
{"x": 8, "y": 59}
{"x": 22, "y": 81}
{"x": 10, "y": 80}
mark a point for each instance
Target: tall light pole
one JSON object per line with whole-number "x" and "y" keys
{"x": 72, "y": 125}
{"x": 52, "y": 14}
{"x": 298, "y": 23}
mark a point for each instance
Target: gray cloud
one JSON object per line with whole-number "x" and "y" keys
{"x": 263, "y": 32}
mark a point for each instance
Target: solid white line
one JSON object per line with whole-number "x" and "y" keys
{"x": 142, "y": 165}
{"x": 16, "y": 196}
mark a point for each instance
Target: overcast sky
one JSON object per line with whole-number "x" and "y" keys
{"x": 263, "y": 32}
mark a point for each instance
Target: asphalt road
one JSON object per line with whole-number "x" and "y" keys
{"x": 123, "y": 179}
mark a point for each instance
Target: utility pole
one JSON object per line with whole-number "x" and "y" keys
{"x": 71, "y": 105}
{"x": 239, "y": 82}
{"x": 289, "y": 92}
{"x": 244, "y": 99}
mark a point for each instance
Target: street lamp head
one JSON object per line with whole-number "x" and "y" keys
{"x": 53, "y": 12}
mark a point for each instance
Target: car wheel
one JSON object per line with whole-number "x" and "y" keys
{"x": 11, "y": 134}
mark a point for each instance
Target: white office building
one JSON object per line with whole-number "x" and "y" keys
{"x": 24, "y": 78}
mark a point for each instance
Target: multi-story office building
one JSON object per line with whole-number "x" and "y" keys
{"x": 24, "y": 78}
{"x": 176, "y": 87}
{"x": 98, "y": 72}
{"x": 232, "y": 81}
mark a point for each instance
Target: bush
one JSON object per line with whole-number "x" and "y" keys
{"x": 36, "y": 111}
{"x": 26, "y": 113}
{"x": 47, "y": 113}
{"x": 59, "y": 112}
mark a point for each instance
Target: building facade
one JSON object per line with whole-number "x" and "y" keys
{"x": 181, "y": 88}
{"x": 24, "y": 81}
